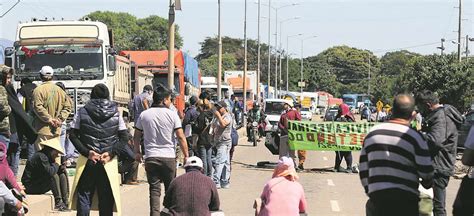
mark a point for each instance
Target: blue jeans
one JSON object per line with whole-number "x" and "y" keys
{"x": 68, "y": 147}
{"x": 221, "y": 173}
{"x": 14, "y": 153}
{"x": 205, "y": 153}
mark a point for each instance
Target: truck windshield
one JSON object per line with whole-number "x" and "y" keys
{"x": 349, "y": 101}
{"x": 163, "y": 80}
{"x": 69, "y": 61}
{"x": 274, "y": 108}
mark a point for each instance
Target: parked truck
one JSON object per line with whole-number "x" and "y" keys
{"x": 186, "y": 77}
{"x": 81, "y": 54}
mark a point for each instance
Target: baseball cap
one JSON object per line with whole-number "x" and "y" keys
{"x": 193, "y": 162}
{"x": 221, "y": 104}
{"x": 47, "y": 71}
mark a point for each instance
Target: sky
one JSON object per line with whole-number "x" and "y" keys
{"x": 377, "y": 25}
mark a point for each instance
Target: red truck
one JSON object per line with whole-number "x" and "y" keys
{"x": 187, "y": 75}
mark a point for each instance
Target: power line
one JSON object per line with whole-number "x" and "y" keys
{"x": 11, "y": 8}
{"x": 408, "y": 47}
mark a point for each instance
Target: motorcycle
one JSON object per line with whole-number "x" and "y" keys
{"x": 255, "y": 135}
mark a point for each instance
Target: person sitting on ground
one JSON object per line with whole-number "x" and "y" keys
{"x": 282, "y": 195}
{"x": 6, "y": 174}
{"x": 43, "y": 174}
{"x": 128, "y": 166}
{"x": 7, "y": 198}
{"x": 192, "y": 193}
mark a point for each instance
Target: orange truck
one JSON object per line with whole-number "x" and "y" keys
{"x": 186, "y": 78}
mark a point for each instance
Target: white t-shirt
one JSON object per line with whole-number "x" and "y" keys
{"x": 158, "y": 125}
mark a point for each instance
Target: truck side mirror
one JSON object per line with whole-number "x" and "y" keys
{"x": 8, "y": 53}
{"x": 111, "y": 64}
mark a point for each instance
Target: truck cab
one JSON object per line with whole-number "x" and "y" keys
{"x": 81, "y": 54}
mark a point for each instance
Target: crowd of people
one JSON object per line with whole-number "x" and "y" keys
{"x": 398, "y": 155}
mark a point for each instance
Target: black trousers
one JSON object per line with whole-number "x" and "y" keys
{"x": 392, "y": 203}
{"x": 440, "y": 182}
{"x": 94, "y": 178}
{"x": 347, "y": 155}
{"x": 158, "y": 170}
{"x": 463, "y": 205}
{"x": 58, "y": 184}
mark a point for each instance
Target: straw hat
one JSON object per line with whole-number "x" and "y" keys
{"x": 53, "y": 143}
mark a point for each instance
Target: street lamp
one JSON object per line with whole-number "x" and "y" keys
{"x": 281, "y": 49}
{"x": 301, "y": 84}
{"x": 219, "y": 51}
{"x": 288, "y": 56}
{"x": 174, "y": 5}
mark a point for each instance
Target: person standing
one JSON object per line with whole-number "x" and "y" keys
{"x": 465, "y": 197}
{"x": 142, "y": 101}
{"x": 51, "y": 106}
{"x": 25, "y": 96}
{"x": 344, "y": 115}
{"x": 301, "y": 153}
{"x": 393, "y": 159}
{"x": 439, "y": 128}
{"x": 5, "y": 111}
{"x": 222, "y": 129}
{"x": 192, "y": 193}
{"x": 157, "y": 126}
{"x": 98, "y": 132}
{"x": 19, "y": 121}
{"x": 204, "y": 138}
{"x": 190, "y": 118}
{"x": 289, "y": 114}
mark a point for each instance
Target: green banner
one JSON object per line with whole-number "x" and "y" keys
{"x": 327, "y": 136}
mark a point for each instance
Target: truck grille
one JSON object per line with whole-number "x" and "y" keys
{"x": 79, "y": 98}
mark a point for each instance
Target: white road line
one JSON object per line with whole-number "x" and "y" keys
{"x": 325, "y": 158}
{"x": 335, "y": 206}
{"x": 330, "y": 182}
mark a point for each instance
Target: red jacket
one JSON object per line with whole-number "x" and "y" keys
{"x": 289, "y": 115}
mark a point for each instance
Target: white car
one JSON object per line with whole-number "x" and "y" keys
{"x": 306, "y": 114}
{"x": 273, "y": 110}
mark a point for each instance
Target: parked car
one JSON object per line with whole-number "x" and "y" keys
{"x": 464, "y": 130}
{"x": 306, "y": 113}
{"x": 330, "y": 114}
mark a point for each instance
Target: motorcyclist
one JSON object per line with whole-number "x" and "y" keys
{"x": 255, "y": 114}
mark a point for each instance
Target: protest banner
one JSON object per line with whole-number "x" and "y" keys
{"x": 327, "y": 136}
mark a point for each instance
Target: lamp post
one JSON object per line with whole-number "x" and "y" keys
{"x": 281, "y": 49}
{"x": 219, "y": 52}
{"x": 302, "y": 67}
{"x": 288, "y": 56}
{"x": 258, "y": 53}
{"x": 245, "y": 60}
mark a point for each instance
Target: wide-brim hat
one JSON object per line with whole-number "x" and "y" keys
{"x": 53, "y": 143}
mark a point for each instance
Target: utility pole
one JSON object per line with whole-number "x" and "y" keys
{"x": 269, "y": 48}
{"x": 459, "y": 30}
{"x": 245, "y": 60}
{"x": 301, "y": 69}
{"x": 171, "y": 30}
{"x": 467, "y": 47}
{"x": 258, "y": 54}
{"x": 219, "y": 53}
{"x": 442, "y": 48}
{"x": 288, "y": 57}
{"x": 368, "y": 89}
{"x": 276, "y": 53}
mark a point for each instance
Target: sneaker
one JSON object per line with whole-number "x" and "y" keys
{"x": 218, "y": 186}
{"x": 301, "y": 167}
{"x": 348, "y": 170}
{"x": 61, "y": 207}
{"x": 227, "y": 186}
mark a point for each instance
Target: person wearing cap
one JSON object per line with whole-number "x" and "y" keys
{"x": 283, "y": 194}
{"x": 222, "y": 129}
{"x": 98, "y": 132}
{"x": 192, "y": 193}
{"x": 254, "y": 115}
{"x": 51, "y": 106}
{"x": 142, "y": 101}
{"x": 43, "y": 174}
{"x": 190, "y": 119}
{"x": 157, "y": 126}
{"x": 289, "y": 114}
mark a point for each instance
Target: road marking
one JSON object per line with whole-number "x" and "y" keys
{"x": 330, "y": 182}
{"x": 335, "y": 206}
{"x": 325, "y": 158}
{"x": 323, "y": 151}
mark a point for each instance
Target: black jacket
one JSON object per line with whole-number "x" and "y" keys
{"x": 99, "y": 128}
{"x": 441, "y": 132}
{"x": 40, "y": 168}
{"x": 20, "y": 122}
{"x": 202, "y": 128}
{"x": 27, "y": 92}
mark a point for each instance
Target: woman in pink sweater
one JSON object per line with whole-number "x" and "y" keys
{"x": 283, "y": 195}
{"x": 6, "y": 174}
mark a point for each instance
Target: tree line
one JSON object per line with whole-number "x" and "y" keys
{"x": 337, "y": 70}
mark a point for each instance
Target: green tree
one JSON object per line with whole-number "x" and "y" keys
{"x": 130, "y": 33}
{"x": 209, "y": 66}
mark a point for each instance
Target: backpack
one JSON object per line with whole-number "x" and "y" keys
{"x": 205, "y": 138}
